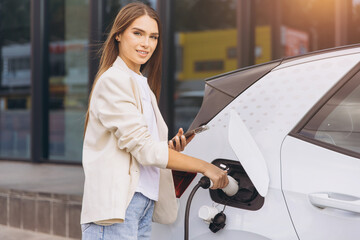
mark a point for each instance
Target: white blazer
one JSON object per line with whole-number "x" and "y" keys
{"x": 116, "y": 141}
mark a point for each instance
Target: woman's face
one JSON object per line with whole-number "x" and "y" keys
{"x": 138, "y": 42}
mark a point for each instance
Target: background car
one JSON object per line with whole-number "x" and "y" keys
{"x": 303, "y": 115}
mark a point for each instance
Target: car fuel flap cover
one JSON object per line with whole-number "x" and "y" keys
{"x": 248, "y": 153}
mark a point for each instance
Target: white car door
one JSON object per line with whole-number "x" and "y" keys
{"x": 320, "y": 163}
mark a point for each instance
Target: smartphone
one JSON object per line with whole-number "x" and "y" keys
{"x": 193, "y": 131}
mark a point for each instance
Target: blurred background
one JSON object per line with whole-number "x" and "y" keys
{"x": 49, "y": 58}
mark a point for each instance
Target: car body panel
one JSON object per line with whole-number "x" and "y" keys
{"x": 272, "y": 221}
{"x": 323, "y": 54}
{"x": 270, "y": 109}
{"x": 221, "y": 90}
{"x": 309, "y": 169}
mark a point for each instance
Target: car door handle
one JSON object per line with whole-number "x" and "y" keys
{"x": 335, "y": 200}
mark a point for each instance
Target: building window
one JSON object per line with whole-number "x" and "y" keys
{"x": 205, "y": 31}
{"x": 204, "y": 66}
{"x": 15, "y": 75}
{"x": 68, "y": 78}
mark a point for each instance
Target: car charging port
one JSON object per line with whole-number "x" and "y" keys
{"x": 240, "y": 192}
{"x": 246, "y": 196}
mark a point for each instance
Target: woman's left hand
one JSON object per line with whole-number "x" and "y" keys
{"x": 180, "y": 141}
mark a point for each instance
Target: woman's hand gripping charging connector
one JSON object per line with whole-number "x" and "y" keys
{"x": 231, "y": 189}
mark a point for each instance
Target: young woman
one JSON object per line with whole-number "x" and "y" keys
{"x": 126, "y": 155}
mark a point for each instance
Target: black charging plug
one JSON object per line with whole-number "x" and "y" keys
{"x": 218, "y": 222}
{"x": 204, "y": 182}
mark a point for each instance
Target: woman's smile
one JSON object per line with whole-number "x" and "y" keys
{"x": 142, "y": 53}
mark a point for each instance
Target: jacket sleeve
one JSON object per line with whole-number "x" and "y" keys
{"x": 115, "y": 106}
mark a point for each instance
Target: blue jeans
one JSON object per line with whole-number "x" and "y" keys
{"x": 137, "y": 224}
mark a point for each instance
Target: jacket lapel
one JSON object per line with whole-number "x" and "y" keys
{"x": 162, "y": 127}
{"x": 119, "y": 63}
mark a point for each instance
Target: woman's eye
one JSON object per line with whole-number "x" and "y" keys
{"x": 155, "y": 37}
{"x": 137, "y": 33}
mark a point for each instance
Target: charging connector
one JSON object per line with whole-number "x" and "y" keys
{"x": 231, "y": 189}
{"x": 205, "y": 182}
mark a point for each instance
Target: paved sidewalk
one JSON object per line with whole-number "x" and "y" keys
{"x": 42, "y": 177}
{"x": 9, "y": 233}
{"x": 39, "y": 199}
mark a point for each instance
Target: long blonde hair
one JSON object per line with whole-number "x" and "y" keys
{"x": 110, "y": 49}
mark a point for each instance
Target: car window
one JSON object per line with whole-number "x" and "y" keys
{"x": 337, "y": 123}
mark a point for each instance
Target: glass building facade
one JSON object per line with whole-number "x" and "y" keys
{"x": 49, "y": 58}
{"x": 15, "y": 79}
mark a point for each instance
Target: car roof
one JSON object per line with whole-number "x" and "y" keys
{"x": 222, "y": 89}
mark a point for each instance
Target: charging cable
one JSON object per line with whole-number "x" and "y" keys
{"x": 219, "y": 220}
{"x": 205, "y": 183}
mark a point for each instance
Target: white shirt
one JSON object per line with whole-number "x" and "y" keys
{"x": 149, "y": 175}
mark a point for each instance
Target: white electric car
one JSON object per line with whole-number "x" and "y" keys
{"x": 289, "y": 132}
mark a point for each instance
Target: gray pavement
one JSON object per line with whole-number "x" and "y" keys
{"x": 55, "y": 179}
{"x": 43, "y": 177}
{"x": 9, "y": 233}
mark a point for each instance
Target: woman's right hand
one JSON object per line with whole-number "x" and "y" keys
{"x": 181, "y": 162}
{"x": 217, "y": 176}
